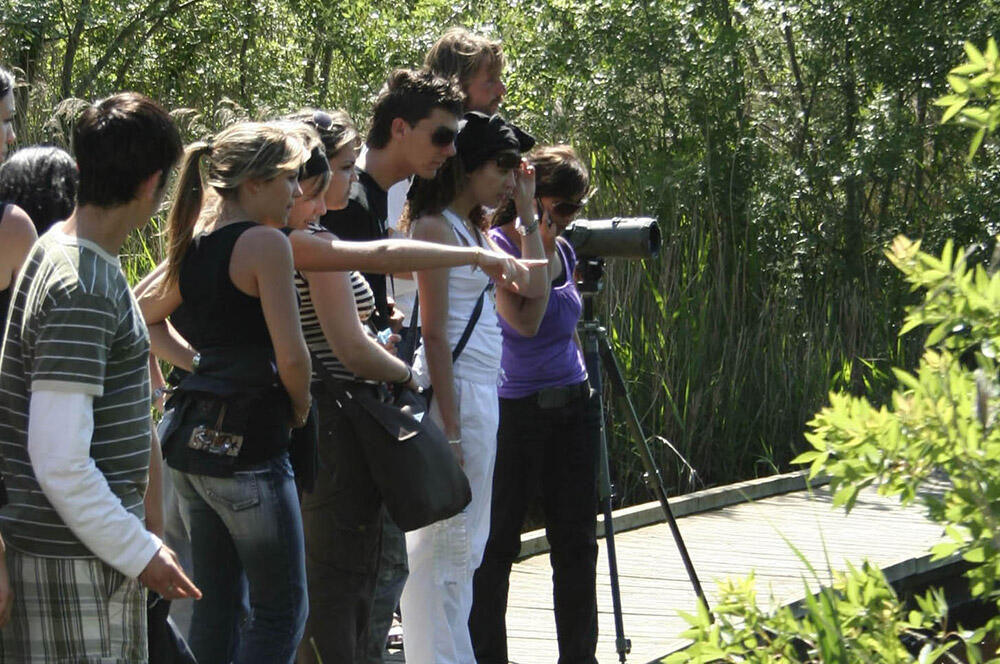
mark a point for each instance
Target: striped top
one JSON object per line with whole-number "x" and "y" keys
{"x": 74, "y": 326}
{"x": 364, "y": 299}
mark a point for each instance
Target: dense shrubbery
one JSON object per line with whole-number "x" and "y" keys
{"x": 781, "y": 145}
{"x": 940, "y": 424}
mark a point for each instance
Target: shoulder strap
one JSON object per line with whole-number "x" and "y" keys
{"x": 466, "y": 333}
{"x": 332, "y": 385}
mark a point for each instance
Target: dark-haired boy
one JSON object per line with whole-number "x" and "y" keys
{"x": 75, "y": 409}
{"x": 414, "y": 124}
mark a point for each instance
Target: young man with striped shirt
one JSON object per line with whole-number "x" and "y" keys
{"x": 75, "y": 429}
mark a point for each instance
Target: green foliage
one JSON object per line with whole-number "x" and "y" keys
{"x": 780, "y": 144}
{"x": 937, "y": 442}
{"x": 943, "y": 415}
{"x": 855, "y": 618}
{"x": 975, "y": 98}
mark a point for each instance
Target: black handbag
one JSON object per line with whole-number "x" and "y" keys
{"x": 212, "y": 409}
{"x": 407, "y": 454}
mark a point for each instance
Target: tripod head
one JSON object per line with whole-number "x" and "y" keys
{"x": 590, "y": 276}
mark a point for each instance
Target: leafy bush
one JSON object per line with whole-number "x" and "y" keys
{"x": 940, "y": 423}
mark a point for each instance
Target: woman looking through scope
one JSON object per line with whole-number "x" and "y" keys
{"x": 549, "y": 436}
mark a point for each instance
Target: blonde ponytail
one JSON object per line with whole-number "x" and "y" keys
{"x": 185, "y": 209}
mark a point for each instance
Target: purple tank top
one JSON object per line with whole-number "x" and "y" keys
{"x": 551, "y": 358}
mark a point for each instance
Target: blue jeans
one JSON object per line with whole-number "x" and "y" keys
{"x": 246, "y": 532}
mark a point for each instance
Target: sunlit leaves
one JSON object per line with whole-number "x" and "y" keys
{"x": 977, "y": 82}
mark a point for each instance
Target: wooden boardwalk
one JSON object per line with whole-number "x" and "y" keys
{"x": 726, "y": 536}
{"x": 728, "y": 541}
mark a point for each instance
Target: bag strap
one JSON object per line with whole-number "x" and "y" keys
{"x": 333, "y": 386}
{"x": 466, "y": 333}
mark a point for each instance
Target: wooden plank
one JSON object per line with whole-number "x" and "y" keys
{"x": 728, "y": 542}
{"x": 731, "y": 540}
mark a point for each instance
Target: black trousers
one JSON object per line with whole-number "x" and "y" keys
{"x": 551, "y": 453}
{"x": 342, "y": 521}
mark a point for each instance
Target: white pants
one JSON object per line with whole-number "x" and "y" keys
{"x": 443, "y": 556}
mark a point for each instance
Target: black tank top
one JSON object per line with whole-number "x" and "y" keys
{"x": 215, "y": 314}
{"x": 218, "y": 314}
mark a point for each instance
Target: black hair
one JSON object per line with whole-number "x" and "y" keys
{"x": 118, "y": 143}
{"x": 411, "y": 95}
{"x": 42, "y": 180}
{"x": 559, "y": 172}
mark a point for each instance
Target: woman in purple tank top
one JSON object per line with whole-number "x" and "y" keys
{"x": 549, "y": 434}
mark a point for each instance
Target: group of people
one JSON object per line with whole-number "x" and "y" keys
{"x": 428, "y": 257}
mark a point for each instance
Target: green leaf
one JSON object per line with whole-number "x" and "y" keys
{"x": 975, "y": 55}
{"x": 806, "y": 457}
{"x": 968, "y": 68}
{"x": 953, "y": 110}
{"x": 977, "y": 140}
{"x": 976, "y": 114}
{"x": 975, "y": 555}
{"x": 938, "y": 333}
{"x": 959, "y": 84}
{"x": 992, "y": 53}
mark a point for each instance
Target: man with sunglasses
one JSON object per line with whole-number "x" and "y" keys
{"x": 414, "y": 125}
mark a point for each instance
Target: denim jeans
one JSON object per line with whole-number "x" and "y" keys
{"x": 551, "y": 453}
{"x": 246, "y": 532}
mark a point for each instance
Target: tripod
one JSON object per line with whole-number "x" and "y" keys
{"x": 597, "y": 352}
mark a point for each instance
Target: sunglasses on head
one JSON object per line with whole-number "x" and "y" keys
{"x": 323, "y": 120}
{"x": 508, "y": 160}
{"x": 442, "y": 137}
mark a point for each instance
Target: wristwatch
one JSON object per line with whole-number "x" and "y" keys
{"x": 527, "y": 229}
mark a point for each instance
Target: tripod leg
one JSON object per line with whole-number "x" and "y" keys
{"x": 605, "y": 492}
{"x": 651, "y": 474}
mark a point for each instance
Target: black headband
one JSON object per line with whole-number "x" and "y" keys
{"x": 315, "y": 165}
{"x": 482, "y": 137}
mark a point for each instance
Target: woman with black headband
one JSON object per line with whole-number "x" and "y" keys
{"x": 341, "y": 511}
{"x": 549, "y": 437}
{"x": 460, "y": 358}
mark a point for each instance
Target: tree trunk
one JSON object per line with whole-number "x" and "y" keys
{"x": 324, "y": 81}
{"x": 72, "y": 45}
{"x": 853, "y": 232}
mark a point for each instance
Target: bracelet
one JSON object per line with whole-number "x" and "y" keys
{"x": 409, "y": 377}
{"x": 159, "y": 392}
{"x": 529, "y": 228}
{"x": 454, "y": 441}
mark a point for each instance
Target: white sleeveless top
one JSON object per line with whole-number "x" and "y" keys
{"x": 480, "y": 361}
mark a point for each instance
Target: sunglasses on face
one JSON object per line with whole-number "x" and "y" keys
{"x": 442, "y": 137}
{"x": 508, "y": 160}
{"x": 566, "y": 208}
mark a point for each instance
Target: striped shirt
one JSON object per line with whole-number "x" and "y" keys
{"x": 74, "y": 326}
{"x": 313, "y": 332}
